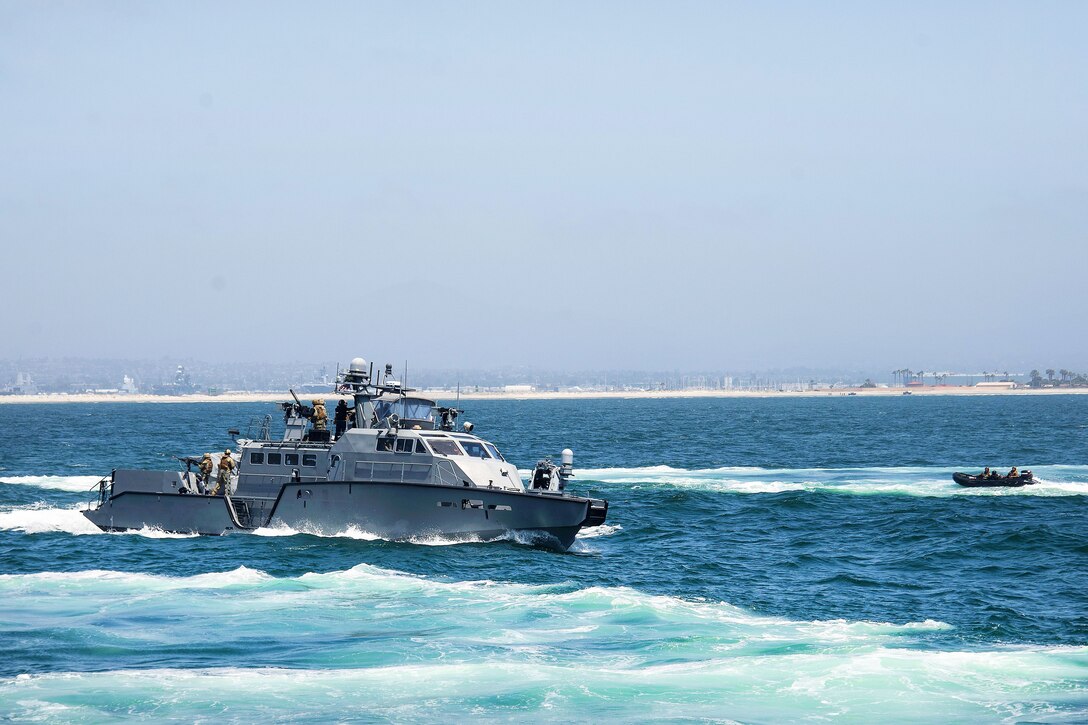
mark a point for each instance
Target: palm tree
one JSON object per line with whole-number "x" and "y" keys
{"x": 1050, "y": 374}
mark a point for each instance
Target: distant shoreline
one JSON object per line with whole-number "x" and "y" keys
{"x": 447, "y": 395}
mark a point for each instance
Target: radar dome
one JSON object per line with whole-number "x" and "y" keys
{"x": 358, "y": 365}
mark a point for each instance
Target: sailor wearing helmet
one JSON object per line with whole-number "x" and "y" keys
{"x": 319, "y": 417}
{"x": 206, "y": 465}
{"x": 226, "y": 467}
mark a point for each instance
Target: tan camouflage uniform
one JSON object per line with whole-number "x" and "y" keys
{"x": 226, "y": 467}
{"x": 206, "y": 465}
{"x": 320, "y": 418}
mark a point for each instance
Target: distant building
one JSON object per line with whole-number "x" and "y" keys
{"x": 517, "y": 388}
{"x": 182, "y": 384}
{"x": 998, "y": 384}
{"x": 24, "y": 385}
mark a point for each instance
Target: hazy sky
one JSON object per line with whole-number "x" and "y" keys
{"x": 638, "y": 185}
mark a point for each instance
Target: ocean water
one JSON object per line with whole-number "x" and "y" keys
{"x": 764, "y": 560}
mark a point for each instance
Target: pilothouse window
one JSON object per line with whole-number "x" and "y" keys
{"x": 256, "y": 458}
{"x": 406, "y": 409}
{"x": 290, "y": 459}
{"x": 444, "y": 447}
{"x": 494, "y": 451}
{"x": 474, "y": 449}
{"x": 274, "y": 459}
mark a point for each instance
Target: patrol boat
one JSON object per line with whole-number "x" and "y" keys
{"x": 403, "y": 472}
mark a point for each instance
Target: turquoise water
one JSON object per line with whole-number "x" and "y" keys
{"x": 764, "y": 561}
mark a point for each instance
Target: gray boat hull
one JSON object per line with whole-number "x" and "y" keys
{"x": 393, "y": 511}
{"x": 173, "y": 512}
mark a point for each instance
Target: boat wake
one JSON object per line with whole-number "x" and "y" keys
{"x": 527, "y": 538}
{"x": 427, "y": 647}
{"x": 899, "y": 481}
{"x": 48, "y": 519}
{"x": 76, "y": 484}
{"x": 42, "y": 519}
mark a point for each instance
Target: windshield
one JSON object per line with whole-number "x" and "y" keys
{"x": 444, "y": 446}
{"x": 474, "y": 449}
{"x": 416, "y": 409}
{"x": 411, "y": 408}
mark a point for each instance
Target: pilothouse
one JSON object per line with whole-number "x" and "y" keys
{"x": 396, "y": 465}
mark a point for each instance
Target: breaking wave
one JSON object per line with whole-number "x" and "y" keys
{"x": 428, "y": 647}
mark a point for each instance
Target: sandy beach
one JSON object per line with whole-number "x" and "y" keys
{"x": 447, "y": 395}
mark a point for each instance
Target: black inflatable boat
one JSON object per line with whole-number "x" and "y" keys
{"x": 964, "y": 479}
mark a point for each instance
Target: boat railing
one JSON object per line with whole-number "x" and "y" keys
{"x": 260, "y": 429}
{"x": 104, "y": 487}
{"x": 441, "y": 471}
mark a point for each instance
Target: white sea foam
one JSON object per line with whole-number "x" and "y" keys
{"x": 35, "y": 520}
{"x": 585, "y": 605}
{"x": 351, "y": 532}
{"x": 40, "y": 519}
{"x": 354, "y": 532}
{"x": 901, "y": 481}
{"x": 1014, "y": 684}
{"x": 458, "y": 644}
{"x": 108, "y": 582}
{"x": 593, "y": 532}
{"x": 79, "y": 484}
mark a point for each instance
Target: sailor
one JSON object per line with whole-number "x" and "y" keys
{"x": 985, "y": 473}
{"x": 226, "y": 467}
{"x": 340, "y": 417}
{"x": 206, "y": 465}
{"x": 1013, "y": 473}
{"x": 319, "y": 417}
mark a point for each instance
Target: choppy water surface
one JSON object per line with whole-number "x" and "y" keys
{"x": 763, "y": 561}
